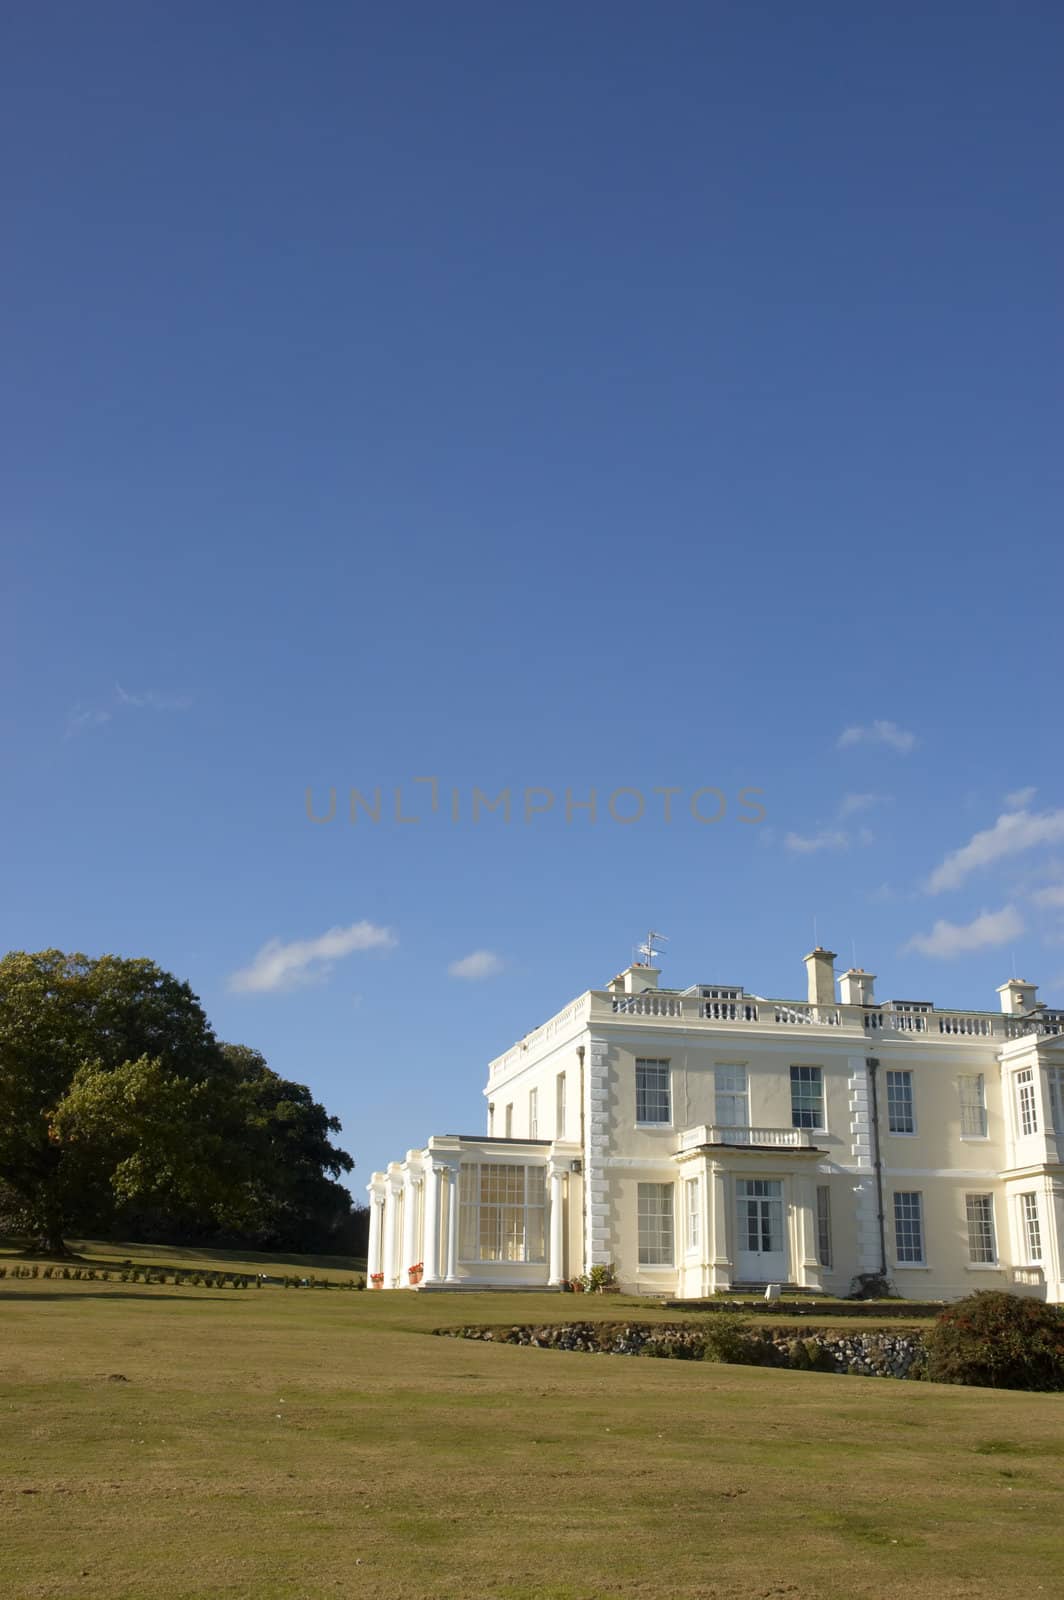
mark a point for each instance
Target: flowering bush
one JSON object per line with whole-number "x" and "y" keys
{"x": 998, "y": 1340}
{"x": 599, "y": 1278}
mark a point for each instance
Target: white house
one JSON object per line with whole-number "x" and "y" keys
{"x": 706, "y": 1138}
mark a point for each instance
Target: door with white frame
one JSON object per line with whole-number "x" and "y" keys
{"x": 761, "y": 1239}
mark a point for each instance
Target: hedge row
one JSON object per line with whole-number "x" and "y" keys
{"x": 194, "y": 1277}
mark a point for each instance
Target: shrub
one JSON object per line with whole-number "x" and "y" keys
{"x": 678, "y": 1349}
{"x": 872, "y": 1286}
{"x": 998, "y": 1340}
{"x": 809, "y": 1355}
{"x": 729, "y": 1339}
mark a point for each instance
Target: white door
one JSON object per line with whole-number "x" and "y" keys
{"x": 761, "y": 1248}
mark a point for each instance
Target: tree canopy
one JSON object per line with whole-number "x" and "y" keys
{"x": 119, "y": 1109}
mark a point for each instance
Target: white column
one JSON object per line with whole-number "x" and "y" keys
{"x": 718, "y": 1257}
{"x": 807, "y": 1266}
{"x": 376, "y": 1221}
{"x": 1051, "y": 1214}
{"x": 391, "y": 1203}
{"x": 557, "y": 1235}
{"x": 410, "y": 1189}
{"x": 598, "y": 1247}
{"x": 452, "y": 1224}
{"x": 430, "y": 1251}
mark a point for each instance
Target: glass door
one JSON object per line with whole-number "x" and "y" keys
{"x": 761, "y": 1251}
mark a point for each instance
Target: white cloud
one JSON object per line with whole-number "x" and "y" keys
{"x": 480, "y": 964}
{"x": 150, "y": 700}
{"x": 807, "y": 844}
{"x": 852, "y": 804}
{"x": 1012, "y": 832}
{"x": 286, "y": 966}
{"x": 1053, "y": 896}
{"x": 1020, "y": 798}
{"x": 878, "y": 733}
{"x": 948, "y": 939}
{"x": 81, "y": 720}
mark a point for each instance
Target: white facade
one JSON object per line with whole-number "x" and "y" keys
{"x": 705, "y": 1139}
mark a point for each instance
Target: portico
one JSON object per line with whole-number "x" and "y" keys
{"x": 476, "y": 1212}
{"x": 748, "y": 1212}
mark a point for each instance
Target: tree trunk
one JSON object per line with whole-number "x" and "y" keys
{"x": 50, "y": 1231}
{"x": 53, "y": 1244}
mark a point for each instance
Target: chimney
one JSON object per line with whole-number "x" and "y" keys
{"x": 820, "y": 969}
{"x": 856, "y": 987}
{"x": 1018, "y": 997}
{"x": 635, "y": 979}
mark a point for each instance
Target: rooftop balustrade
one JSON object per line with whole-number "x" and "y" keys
{"x": 657, "y": 1007}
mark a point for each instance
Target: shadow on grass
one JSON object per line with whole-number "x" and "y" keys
{"x": 104, "y": 1294}
{"x": 124, "y": 1249}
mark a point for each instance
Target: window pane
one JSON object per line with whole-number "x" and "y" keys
{"x": 1027, "y": 1104}
{"x": 693, "y": 1213}
{"x": 973, "y": 1106}
{"x": 982, "y": 1245}
{"x": 807, "y": 1097}
{"x": 652, "y": 1098}
{"x": 760, "y": 1214}
{"x": 501, "y": 1212}
{"x": 900, "y": 1115}
{"x": 731, "y": 1108}
{"x": 1032, "y": 1227}
{"x": 655, "y": 1224}
{"x": 909, "y": 1226}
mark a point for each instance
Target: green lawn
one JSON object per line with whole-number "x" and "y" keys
{"x": 290, "y": 1445}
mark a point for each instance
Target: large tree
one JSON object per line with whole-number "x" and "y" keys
{"x": 292, "y": 1199}
{"x": 120, "y": 1109}
{"x": 66, "y": 1020}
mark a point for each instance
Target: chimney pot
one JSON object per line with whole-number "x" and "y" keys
{"x": 856, "y": 987}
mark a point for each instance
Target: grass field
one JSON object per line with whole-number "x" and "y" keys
{"x": 295, "y": 1444}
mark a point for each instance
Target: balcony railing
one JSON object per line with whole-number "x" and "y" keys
{"x": 747, "y": 1138}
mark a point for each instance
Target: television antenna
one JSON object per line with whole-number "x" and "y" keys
{"x": 647, "y": 950}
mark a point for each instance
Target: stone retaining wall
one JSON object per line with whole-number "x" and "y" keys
{"x": 875, "y": 1354}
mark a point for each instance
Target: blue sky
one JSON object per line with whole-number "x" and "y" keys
{"x": 556, "y": 397}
